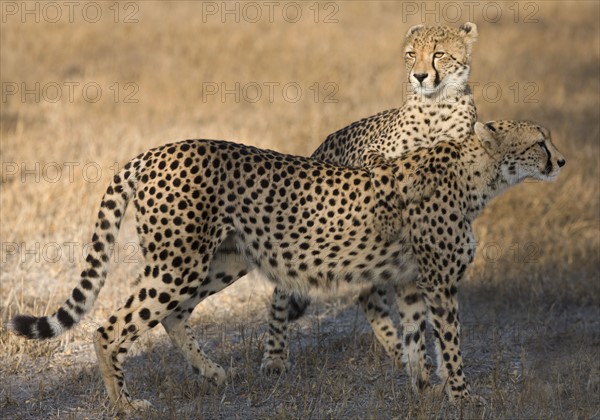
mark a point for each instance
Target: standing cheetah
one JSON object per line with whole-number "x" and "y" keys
{"x": 301, "y": 223}
{"x": 438, "y": 65}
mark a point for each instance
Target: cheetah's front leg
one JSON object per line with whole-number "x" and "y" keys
{"x": 275, "y": 358}
{"x": 443, "y": 314}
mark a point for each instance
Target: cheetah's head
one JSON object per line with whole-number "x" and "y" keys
{"x": 524, "y": 148}
{"x": 437, "y": 58}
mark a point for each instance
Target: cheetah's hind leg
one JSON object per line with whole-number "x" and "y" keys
{"x": 112, "y": 341}
{"x": 375, "y": 305}
{"x": 225, "y": 268}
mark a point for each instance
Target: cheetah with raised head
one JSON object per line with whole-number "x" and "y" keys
{"x": 198, "y": 200}
{"x": 441, "y": 104}
{"x": 438, "y": 65}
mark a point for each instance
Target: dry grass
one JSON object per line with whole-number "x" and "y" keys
{"x": 530, "y": 303}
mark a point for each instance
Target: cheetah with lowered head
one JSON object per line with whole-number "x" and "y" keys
{"x": 438, "y": 65}
{"x": 301, "y": 223}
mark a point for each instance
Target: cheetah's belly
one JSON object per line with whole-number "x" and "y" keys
{"x": 328, "y": 266}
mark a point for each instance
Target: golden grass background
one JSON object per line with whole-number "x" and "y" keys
{"x": 538, "y": 252}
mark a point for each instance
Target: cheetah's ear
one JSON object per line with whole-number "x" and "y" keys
{"x": 545, "y": 132}
{"x": 414, "y": 29}
{"x": 469, "y": 33}
{"x": 487, "y": 134}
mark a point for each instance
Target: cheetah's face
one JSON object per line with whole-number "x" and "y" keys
{"x": 525, "y": 148}
{"x": 437, "y": 58}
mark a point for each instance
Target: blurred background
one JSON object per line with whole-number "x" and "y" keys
{"x": 88, "y": 85}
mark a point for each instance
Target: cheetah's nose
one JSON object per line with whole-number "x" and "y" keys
{"x": 561, "y": 163}
{"x": 420, "y": 76}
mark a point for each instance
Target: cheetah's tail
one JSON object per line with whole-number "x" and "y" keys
{"x": 112, "y": 209}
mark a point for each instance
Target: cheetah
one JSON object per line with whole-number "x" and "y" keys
{"x": 301, "y": 223}
{"x": 437, "y": 61}
{"x": 438, "y": 65}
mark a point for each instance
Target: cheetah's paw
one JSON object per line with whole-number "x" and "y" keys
{"x": 216, "y": 376}
{"x": 125, "y": 405}
{"x": 467, "y": 398}
{"x": 275, "y": 366}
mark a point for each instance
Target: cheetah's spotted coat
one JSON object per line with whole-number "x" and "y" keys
{"x": 301, "y": 223}
{"x": 438, "y": 65}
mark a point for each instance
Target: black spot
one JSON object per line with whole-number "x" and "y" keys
{"x": 78, "y": 296}
{"x": 411, "y": 299}
{"x": 145, "y": 314}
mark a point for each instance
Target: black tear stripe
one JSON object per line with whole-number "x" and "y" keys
{"x": 549, "y": 160}
{"x": 411, "y": 69}
{"x": 436, "y": 81}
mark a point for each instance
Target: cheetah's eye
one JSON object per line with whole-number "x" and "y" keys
{"x": 438, "y": 55}
{"x": 410, "y": 54}
{"x": 542, "y": 144}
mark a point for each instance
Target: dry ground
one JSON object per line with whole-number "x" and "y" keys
{"x": 530, "y": 303}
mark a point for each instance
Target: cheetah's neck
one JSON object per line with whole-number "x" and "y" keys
{"x": 483, "y": 179}
{"x": 448, "y": 94}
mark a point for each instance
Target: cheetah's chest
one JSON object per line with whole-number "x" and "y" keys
{"x": 433, "y": 118}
